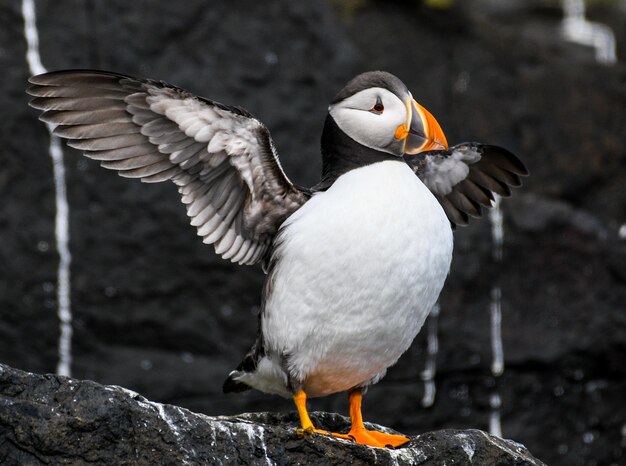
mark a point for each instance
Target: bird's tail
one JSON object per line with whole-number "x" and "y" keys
{"x": 231, "y": 384}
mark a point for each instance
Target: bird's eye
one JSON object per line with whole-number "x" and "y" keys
{"x": 378, "y": 106}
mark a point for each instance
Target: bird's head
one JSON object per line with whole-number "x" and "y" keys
{"x": 376, "y": 110}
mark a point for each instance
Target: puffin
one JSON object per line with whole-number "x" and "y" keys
{"x": 353, "y": 264}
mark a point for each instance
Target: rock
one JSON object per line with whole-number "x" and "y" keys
{"x": 51, "y": 419}
{"x": 531, "y": 213}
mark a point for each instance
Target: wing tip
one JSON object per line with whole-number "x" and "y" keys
{"x": 519, "y": 168}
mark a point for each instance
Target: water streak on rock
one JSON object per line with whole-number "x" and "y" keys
{"x": 497, "y": 228}
{"x": 495, "y": 313}
{"x": 577, "y": 29}
{"x": 495, "y": 424}
{"x": 62, "y": 208}
{"x": 430, "y": 368}
{"x": 497, "y": 362}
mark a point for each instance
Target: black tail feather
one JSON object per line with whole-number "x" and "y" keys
{"x": 233, "y": 386}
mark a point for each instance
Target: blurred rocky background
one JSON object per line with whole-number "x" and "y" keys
{"x": 154, "y": 310}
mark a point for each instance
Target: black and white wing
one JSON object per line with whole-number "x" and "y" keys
{"x": 221, "y": 158}
{"x": 465, "y": 177}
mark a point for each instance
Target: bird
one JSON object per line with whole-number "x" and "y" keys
{"x": 353, "y": 264}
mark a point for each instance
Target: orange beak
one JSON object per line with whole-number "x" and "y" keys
{"x": 424, "y": 131}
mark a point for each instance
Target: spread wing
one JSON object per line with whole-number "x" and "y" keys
{"x": 221, "y": 158}
{"x": 465, "y": 177}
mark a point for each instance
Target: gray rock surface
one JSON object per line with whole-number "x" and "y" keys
{"x": 46, "y": 419}
{"x": 154, "y": 309}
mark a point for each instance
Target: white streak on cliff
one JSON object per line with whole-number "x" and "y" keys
{"x": 432, "y": 348}
{"x": 495, "y": 424}
{"x": 61, "y": 229}
{"x": 496, "y": 219}
{"x": 576, "y": 28}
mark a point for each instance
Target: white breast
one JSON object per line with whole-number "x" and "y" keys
{"x": 360, "y": 267}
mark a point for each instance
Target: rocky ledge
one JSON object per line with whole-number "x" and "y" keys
{"x": 48, "y": 419}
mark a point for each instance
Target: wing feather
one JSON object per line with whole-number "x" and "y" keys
{"x": 234, "y": 249}
{"x": 199, "y": 203}
{"x": 121, "y": 153}
{"x": 159, "y": 176}
{"x": 243, "y": 251}
{"x": 78, "y": 91}
{"x": 70, "y": 103}
{"x": 224, "y": 244}
{"x": 493, "y": 184}
{"x": 501, "y": 174}
{"x": 221, "y": 227}
{"x": 181, "y": 156}
{"x": 476, "y": 192}
{"x": 107, "y": 143}
{"x": 221, "y": 158}
{"x": 158, "y": 127}
{"x": 457, "y": 198}
{"x": 466, "y": 176}
{"x": 112, "y": 114}
{"x": 97, "y": 130}
{"x": 147, "y": 170}
{"x": 250, "y": 254}
{"x": 456, "y": 216}
{"x": 133, "y": 162}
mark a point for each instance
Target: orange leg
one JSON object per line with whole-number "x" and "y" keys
{"x": 305, "y": 421}
{"x": 358, "y": 433}
{"x": 361, "y": 435}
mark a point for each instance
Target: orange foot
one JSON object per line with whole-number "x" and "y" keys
{"x": 374, "y": 438}
{"x": 371, "y": 438}
{"x": 358, "y": 433}
{"x": 301, "y": 432}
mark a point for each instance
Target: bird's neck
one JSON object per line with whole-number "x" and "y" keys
{"x": 341, "y": 153}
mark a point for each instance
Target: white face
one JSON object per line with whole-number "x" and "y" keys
{"x": 363, "y": 118}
